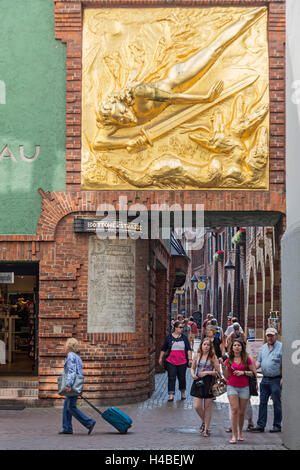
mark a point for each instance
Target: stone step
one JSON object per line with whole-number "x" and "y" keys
{"x": 18, "y": 392}
{"x": 19, "y": 401}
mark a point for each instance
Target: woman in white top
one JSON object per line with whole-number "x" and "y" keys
{"x": 205, "y": 365}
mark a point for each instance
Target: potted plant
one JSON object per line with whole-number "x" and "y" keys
{"x": 240, "y": 236}
{"x": 219, "y": 255}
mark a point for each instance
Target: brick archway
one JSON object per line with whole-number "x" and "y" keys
{"x": 259, "y": 314}
{"x": 220, "y": 306}
{"x": 242, "y": 304}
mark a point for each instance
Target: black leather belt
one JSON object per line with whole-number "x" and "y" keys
{"x": 276, "y": 377}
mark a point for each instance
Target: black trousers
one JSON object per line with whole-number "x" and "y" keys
{"x": 180, "y": 373}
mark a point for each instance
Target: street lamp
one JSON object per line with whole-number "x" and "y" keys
{"x": 214, "y": 233}
{"x": 230, "y": 266}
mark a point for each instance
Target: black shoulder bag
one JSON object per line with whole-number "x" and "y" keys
{"x": 166, "y": 355}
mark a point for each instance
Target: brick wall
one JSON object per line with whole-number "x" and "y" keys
{"x": 121, "y": 366}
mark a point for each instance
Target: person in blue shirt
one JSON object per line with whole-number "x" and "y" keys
{"x": 270, "y": 361}
{"x": 73, "y": 365}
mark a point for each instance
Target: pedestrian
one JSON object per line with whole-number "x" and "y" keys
{"x": 194, "y": 331}
{"x": 217, "y": 343}
{"x": 238, "y": 367}
{"x": 270, "y": 360}
{"x": 208, "y": 318}
{"x": 179, "y": 356}
{"x": 219, "y": 332}
{"x": 235, "y": 334}
{"x": 197, "y": 316}
{"x": 187, "y": 328}
{"x": 205, "y": 366}
{"x": 179, "y": 318}
{"x": 73, "y": 366}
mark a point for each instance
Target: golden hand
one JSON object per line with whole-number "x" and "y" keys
{"x": 136, "y": 142}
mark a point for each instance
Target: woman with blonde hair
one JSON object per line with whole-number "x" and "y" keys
{"x": 73, "y": 366}
{"x": 205, "y": 366}
{"x": 238, "y": 368}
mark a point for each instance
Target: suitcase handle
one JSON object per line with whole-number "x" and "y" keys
{"x": 91, "y": 405}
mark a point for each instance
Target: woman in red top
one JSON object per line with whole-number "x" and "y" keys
{"x": 238, "y": 368}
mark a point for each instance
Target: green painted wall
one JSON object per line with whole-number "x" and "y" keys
{"x": 32, "y": 86}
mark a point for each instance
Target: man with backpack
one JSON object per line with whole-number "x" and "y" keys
{"x": 194, "y": 331}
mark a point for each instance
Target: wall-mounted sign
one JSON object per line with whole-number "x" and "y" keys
{"x": 201, "y": 285}
{"x": 6, "y": 154}
{"x": 7, "y": 278}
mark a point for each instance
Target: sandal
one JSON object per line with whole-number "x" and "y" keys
{"x": 171, "y": 399}
{"x": 250, "y": 427}
{"x": 202, "y": 427}
{"x": 228, "y": 430}
{"x": 206, "y": 433}
{"x": 233, "y": 441}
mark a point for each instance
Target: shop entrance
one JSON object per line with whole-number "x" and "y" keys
{"x": 19, "y": 319}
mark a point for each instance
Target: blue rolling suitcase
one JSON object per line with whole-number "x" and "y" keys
{"x": 119, "y": 420}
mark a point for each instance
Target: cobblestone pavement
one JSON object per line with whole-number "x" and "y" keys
{"x": 157, "y": 425}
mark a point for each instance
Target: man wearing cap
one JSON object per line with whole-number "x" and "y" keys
{"x": 270, "y": 361}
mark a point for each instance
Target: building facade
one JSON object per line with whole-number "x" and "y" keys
{"x": 240, "y": 268}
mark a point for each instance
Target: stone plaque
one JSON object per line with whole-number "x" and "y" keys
{"x": 111, "y": 286}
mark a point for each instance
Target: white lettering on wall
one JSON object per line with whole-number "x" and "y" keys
{"x": 6, "y": 153}
{"x": 29, "y": 159}
{"x": 296, "y": 354}
{"x": 296, "y": 94}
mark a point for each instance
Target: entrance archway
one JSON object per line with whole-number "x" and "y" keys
{"x": 268, "y": 293}
{"x": 259, "y": 317}
{"x": 242, "y": 304}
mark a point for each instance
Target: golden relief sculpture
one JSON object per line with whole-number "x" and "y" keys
{"x": 175, "y": 99}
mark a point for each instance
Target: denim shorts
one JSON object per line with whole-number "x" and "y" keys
{"x": 242, "y": 392}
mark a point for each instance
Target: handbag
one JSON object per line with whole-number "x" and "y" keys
{"x": 166, "y": 355}
{"x": 76, "y": 388}
{"x": 199, "y": 383}
{"x": 219, "y": 387}
{"x": 252, "y": 383}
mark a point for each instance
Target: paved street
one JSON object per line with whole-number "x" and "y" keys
{"x": 157, "y": 425}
